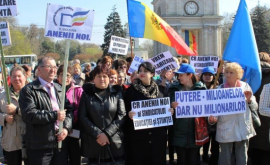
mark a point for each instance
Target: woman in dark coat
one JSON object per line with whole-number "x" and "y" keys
{"x": 101, "y": 114}
{"x": 146, "y": 146}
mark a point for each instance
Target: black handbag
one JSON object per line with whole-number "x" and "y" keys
{"x": 255, "y": 119}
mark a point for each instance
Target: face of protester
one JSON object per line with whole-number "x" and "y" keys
{"x": 29, "y": 73}
{"x": 123, "y": 68}
{"x": 169, "y": 75}
{"x": 68, "y": 79}
{"x": 113, "y": 79}
{"x": 231, "y": 76}
{"x": 48, "y": 70}
{"x": 121, "y": 78}
{"x": 109, "y": 64}
{"x": 88, "y": 67}
{"x": 207, "y": 77}
{"x": 77, "y": 70}
{"x": 184, "y": 79}
{"x": 101, "y": 81}
{"x": 17, "y": 80}
{"x": 145, "y": 75}
{"x": 134, "y": 77}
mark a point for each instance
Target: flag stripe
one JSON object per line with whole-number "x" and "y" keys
{"x": 79, "y": 19}
{"x": 136, "y": 19}
{"x": 81, "y": 13}
{"x": 77, "y": 23}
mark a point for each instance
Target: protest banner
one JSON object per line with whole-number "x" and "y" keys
{"x": 5, "y": 33}
{"x": 215, "y": 102}
{"x": 200, "y": 62}
{"x": 151, "y": 113}
{"x": 8, "y": 8}
{"x": 68, "y": 22}
{"x": 118, "y": 45}
{"x": 163, "y": 61}
{"x": 135, "y": 64}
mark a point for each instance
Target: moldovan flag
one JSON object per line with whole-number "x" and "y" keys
{"x": 144, "y": 23}
{"x": 242, "y": 47}
{"x": 191, "y": 41}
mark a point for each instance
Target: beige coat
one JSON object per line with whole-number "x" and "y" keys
{"x": 237, "y": 127}
{"x": 11, "y": 134}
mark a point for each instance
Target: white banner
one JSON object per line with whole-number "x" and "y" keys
{"x": 151, "y": 113}
{"x": 215, "y": 102}
{"x": 135, "y": 64}
{"x": 200, "y": 62}
{"x": 118, "y": 45}
{"x": 163, "y": 61}
{"x": 5, "y": 33}
{"x": 69, "y": 22}
{"x": 8, "y": 8}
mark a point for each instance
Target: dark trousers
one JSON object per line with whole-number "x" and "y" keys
{"x": 186, "y": 156}
{"x": 214, "y": 149}
{"x": 259, "y": 157}
{"x": 74, "y": 151}
{"x": 47, "y": 156}
{"x": 14, "y": 157}
{"x": 170, "y": 146}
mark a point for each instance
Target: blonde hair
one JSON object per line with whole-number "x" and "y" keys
{"x": 236, "y": 68}
{"x": 77, "y": 66}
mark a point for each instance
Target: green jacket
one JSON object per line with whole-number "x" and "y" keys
{"x": 183, "y": 133}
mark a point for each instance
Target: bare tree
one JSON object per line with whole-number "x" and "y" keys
{"x": 147, "y": 45}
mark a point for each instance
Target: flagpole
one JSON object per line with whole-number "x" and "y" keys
{"x": 63, "y": 95}
{"x": 131, "y": 43}
{"x": 218, "y": 73}
{"x": 4, "y": 71}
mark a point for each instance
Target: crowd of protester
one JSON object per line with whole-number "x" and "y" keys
{"x": 98, "y": 118}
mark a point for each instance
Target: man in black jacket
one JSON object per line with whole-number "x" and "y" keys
{"x": 39, "y": 102}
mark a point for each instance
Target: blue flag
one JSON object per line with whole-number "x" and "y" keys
{"x": 242, "y": 48}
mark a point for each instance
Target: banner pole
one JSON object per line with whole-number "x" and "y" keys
{"x": 131, "y": 43}
{"x": 63, "y": 96}
{"x": 218, "y": 73}
{"x": 4, "y": 71}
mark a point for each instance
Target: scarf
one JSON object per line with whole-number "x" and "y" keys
{"x": 237, "y": 84}
{"x": 149, "y": 91}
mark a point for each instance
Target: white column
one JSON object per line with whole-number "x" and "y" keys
{"x": 216, "y": 42}
{"x": 205, "y": 36}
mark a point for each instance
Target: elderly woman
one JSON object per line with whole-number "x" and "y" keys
{"x": 146, "y": 146}
{"x": 101, "y": 114}
{"x": 183, "y": 131}
{"x": 73, "y": 93}
{"x": 235, "y": 129}
{"x": 11, "y": 120}
{"x": 78, "y": 76}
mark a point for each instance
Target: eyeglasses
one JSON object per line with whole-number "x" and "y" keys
{"x": 122, "y": 67}
{"x": 50, "y": 67}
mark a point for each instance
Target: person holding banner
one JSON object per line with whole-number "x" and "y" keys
{"x": 11, "y": 120}
{"x": 145, "y": 146}
{"x": 39, "y": 102}
{"x": 235, "y": 129}
{"x": 208, "y": 78}
{"x": 183, "y": 135}
{"x": 73, "y": 94}
{"x": 101, "y": 115}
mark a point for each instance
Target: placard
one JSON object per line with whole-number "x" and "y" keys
{"x": 8, "y": 8}
{"x": 68, "y": 22}
{"x": 200, "y": 62}
{"x": 151, "y": 113}
{"x": 118, "y": 45}
{"x": 135, "y": 64}
{"x": 215, "y": 102}
{"x": 5, "y": 33}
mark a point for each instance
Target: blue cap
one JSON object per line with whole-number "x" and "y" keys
{"x": 186, "y": 68}
{"x": 208, "y": 70}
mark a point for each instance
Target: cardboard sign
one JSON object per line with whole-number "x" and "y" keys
{"x": 200, "y": 62}
{"x": 8, "y": 8}
{"x": 151, "y": 113}
{"x": 135, "y": 64}
{"x": 5, "y": 33}
{"x": 118, "y": 45}
{"x": 163, "y": 61}
{"x": 215, "y": 102}
{"x": 69, "y": 22}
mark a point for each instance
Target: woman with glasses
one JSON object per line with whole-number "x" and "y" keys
{"x": 78, "y": 76}
{"x": 11, "y": 120}
{"x": 122, "y": 66}
{"x": 73, "y": 94}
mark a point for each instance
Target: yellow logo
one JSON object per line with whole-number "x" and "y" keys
{"x": 155, "y": 22}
